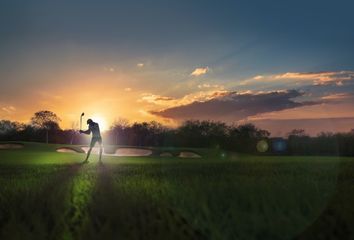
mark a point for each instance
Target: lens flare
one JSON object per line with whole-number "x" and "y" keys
{"x": 262, "y": 146}
{"x": 279, "y": 145}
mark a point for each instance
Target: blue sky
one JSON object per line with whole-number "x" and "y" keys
{"x": 295, "y": 35}
{"x": 46, "y": 42}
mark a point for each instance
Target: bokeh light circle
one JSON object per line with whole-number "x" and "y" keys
{"x": 279, "y": 145}
{"x": 262, "y": 146}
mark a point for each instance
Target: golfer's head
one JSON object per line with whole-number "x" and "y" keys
{"x": 89, "y": 121}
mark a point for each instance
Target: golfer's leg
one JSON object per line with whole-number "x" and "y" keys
{"x": 88, "y": 154}
{"x": 101, "y": 150}
{"x": 92, "y": 144}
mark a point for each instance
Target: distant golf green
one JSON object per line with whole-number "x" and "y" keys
{"x": 45, "y": 194}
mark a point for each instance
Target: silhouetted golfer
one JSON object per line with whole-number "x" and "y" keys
{"x": 94, "y": 128}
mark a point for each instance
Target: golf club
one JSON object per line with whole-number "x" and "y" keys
{"x": 82, "y": 114}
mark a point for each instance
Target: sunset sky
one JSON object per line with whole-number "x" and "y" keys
{"x": 285, "y": 65}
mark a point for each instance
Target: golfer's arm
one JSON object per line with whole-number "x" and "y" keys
{"x": 88, "y": 131}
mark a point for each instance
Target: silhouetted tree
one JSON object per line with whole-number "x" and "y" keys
{"x": 47, "y": 121}
{"x": 119, "y": 128}
{"x": 191, "y": 133}
{"x": 297, "y": 133}
{"x": 299, "y": 142}
{"x": 244, "y": 138}
{"x": 195, "y": 133}
{"x": 9, "y": 129}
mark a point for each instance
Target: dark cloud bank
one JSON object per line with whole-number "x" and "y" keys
{"x": 234, "y": 107}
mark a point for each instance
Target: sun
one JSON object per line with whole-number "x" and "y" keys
{"x": 101, "y": 121}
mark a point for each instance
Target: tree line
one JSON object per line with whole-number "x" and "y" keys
{"x": 245, "y": 138}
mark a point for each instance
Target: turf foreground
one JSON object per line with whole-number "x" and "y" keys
{"x": 50, "y": 195}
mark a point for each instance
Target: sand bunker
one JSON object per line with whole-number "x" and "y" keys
{"x": 11, "y": 145}
{"x": 166, "y": 154}
{"x": 95, "y": 150}
{"x": 121, "y": 152}
{"x": 67, "y": 150}
{"x": 133, "y": 152}
{"x": 189, "y": 155}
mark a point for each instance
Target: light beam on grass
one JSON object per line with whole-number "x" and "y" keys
{"x": 79, "y": 199}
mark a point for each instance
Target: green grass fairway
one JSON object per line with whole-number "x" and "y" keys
{"x": 50, "y": 195}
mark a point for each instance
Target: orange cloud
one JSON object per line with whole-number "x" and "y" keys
{"x": 200, "y": 71}
{"x": 298, "y": 78}
{"x": 206, "y": 85}
{"x": 318, "y": 78}
{"x": 8, "y": 109}
{"x": 187, "y": 99}
{"x": 258, "y": 77}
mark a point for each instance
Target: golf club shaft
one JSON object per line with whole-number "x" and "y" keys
{"x": 82, "y": 114}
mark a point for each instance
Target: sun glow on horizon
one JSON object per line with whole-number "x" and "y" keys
{"x": 104, "y": 125}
